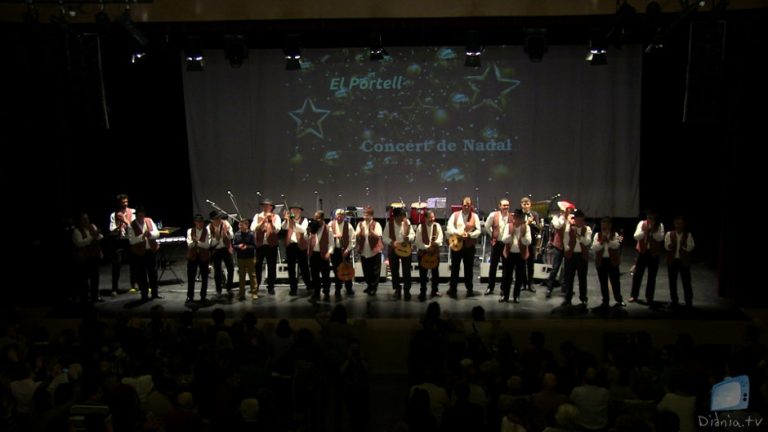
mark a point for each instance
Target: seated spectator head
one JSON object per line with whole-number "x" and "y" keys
{"x": 567, "y": 416}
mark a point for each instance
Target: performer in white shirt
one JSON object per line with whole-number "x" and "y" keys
{"x": 533, "y": 221}
{"x": 576, "y": 241}
{"x": 679, "y": 244}
{"x": 198, "y": 257}
{"x": 493, "y": 226}
{"x": 464, "y": 225}
{"x": 221, "y": 247}
{"x": 87, "y": 238}
{"x": 516, "y": 237}
{"x": 343, "y": 245}
{"x": 556, "y": 246}
{"x": 649, "y": 235}
{"x": 143, "y": 235}
{"x": 320, "y": 251}
{"x": 399, "y": 235}
{"x": 296, "y": 243}
{"x": 606, "y": 245}
{"x": 118, "y": 225}
{"x": 429, "y": 238}
{"x": 266, "y": 225}
{"x": 369, "y": 246}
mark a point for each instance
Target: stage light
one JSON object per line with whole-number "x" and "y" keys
{"x": 235, "y": 49}
{"x": 473, "y": 49}
{"x": 292, "y": 53}
{"x": 536, "y": 44}
{"x": 377, "y": 51}
{"x": 194, "y": 55}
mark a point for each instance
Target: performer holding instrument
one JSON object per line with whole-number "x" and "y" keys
{"x": 679, "y": 244}
{"x": 143, "y": 235}
{"x": 494, "y": 224}
{"x": 516, "y": 237}
{"x": 296, "y": 247}
{"x": 369, "y": 246}
{"x": 576, "y": 241}
{"x": 198, "y": 256}
{"x": 399, "y": 238}
{"x": 245, "y": 245}
{"x": 533, "y": 221}
{"x": 606, "y": 246}
{"x": 265, "y": 226}
{"x": 649, "y": 235}
{"x": 429, "y": 238}
{"x": 463, "y": 230}
{"x": 86, "y": 237}
{"x": 320, "y": 251}
{"x": 221, "y": 248}
{"x": 343, "y": 244}
{"x": 118, "y": 225}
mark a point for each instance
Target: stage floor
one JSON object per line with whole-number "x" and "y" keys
{"x": 533, "y": 305}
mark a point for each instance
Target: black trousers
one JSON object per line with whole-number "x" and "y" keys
{"x": 557, "y": 261}
{"x": 268, "y": 253}
{"x": 219, "y": 256}
{"x": 371, "y": 272}
{"x": 89, "y": 279}
{"x": 512, "y": 263}
{"x": 676, "y": 267}
{"x": 401, "y": 271}
{"x": 529, "y": 263}
{"x": 606, "y": 271}
{"x": 496, "y": 251}
{"x": 645, "y": 260}
{"x": 467, "y": 256}
{"x": 424, "y": 276}
{"x": 192, "y": 268}
{"x": 144, "y": 270}
{"x": 293, "y": 256}
{"x": 575, "y": 265}
{"x": 119, "y": 248}
{"x": 320, "y": 271}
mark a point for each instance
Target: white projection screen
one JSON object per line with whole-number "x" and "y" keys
{"x": 417, "y": 125}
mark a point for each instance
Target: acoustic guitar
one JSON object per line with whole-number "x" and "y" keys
{"x": 456, "y": 242}
{"x": 404, "y": 250}
{"x": 345, "y": 271}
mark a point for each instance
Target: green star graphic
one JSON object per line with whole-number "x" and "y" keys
{"x": 309, "y": 121}
{"x": 499, "y": 100}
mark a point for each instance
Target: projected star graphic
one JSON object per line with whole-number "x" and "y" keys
{"x": 484, "y": 90}
{"x": 309, "y": 121}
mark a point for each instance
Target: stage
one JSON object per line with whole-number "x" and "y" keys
{"x": 533, "y": 305}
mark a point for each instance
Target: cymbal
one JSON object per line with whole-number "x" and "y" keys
{"x": 397, "y": 205}
{"x": 419, "y": 205}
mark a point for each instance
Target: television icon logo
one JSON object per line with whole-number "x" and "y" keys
{"x": 731, "y": 394}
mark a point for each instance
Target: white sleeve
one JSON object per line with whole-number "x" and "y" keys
{"x": 387, "y": 240}
{"x": 689, "y": 244}
{"x": 451, "y": 226}
{"x": 475, "y": 232}
{"x": 658, "y": 235}
{"x": 639, "y": 234}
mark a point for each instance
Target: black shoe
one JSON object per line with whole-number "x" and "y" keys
{"x": 158, "y": 297}
{"x": 549, "y": 293}
{"x": 515, "y": 300}
{"x": 489, "y": 291}
{"x": 407, "y": 296}
{"x": 566, "y": 303}
{"x": 451, "y": 293}
{"x": 350, "y": 292}
{"x": 189, "y": 301}
{"x": 620, "y": 304}
{"x": 470, "y": 293}
{"x": 396, "y": 296}
{"x": 326, "y": 297}
{"x": 503, "y": 299}
{"x": 271, "y": 291}
{"x": 422, "y": 297}
{"x": 293, "y": 293}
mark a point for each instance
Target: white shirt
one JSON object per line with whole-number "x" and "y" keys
{"x": 362, "y": 230}
{"x": 657, "y": 235}
{"x": 337, "y": 228}
{"x": 612, "y": 244}
{"x": 227, "y": 233}
{"x": 194, "y": 240}
{"x": 438, "y": 240}
{"x": 510, "y": 234}
{"x": 688, "y": 246}
{"x": 113, "y": 220}
{"x": 80, "y": 241}
{"x": 154, "y": 234}
{"x": 258, "y": 217}
{"x": 400, "y": 235}
{"x": 583, "y": 237}
{"x": 298, "y": 228}
{"x": 456, "y": 224}
{"x": 492, "y": 220}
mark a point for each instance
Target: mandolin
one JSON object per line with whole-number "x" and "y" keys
{"x": 456, "y": 242}
{"x": 345, "y": 271}
{"x": 429, "y": 260}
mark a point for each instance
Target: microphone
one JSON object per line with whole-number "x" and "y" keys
{"x": 316, "y": 192}
{"x": 210, "y": 202}
{"x": 229, "y": 192}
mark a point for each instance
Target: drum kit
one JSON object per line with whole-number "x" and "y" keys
{"x": 418, "y": 214}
